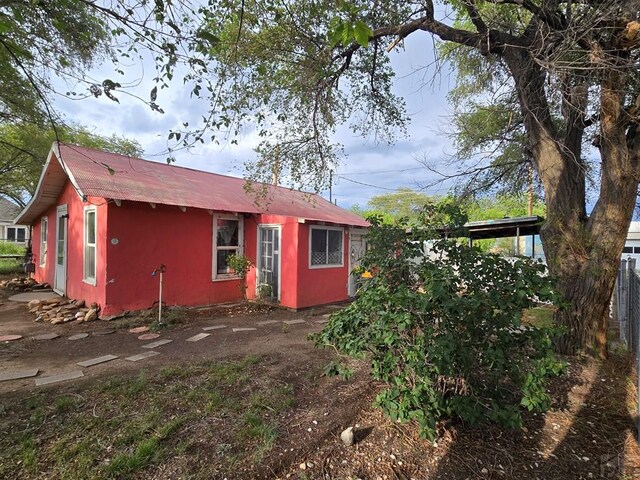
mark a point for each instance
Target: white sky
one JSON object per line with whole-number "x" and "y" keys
{"x": 385, "y": 167}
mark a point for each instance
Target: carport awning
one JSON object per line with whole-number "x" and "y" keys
{"x": 504, "y": 227}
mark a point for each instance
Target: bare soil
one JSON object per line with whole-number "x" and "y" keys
{"x": 588, "y": 433}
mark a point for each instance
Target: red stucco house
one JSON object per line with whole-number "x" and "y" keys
{"x": 102, "y": 223}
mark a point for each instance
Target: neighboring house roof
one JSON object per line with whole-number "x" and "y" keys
{"x": 95, "y": 173}
{"x": 8, "y": 210}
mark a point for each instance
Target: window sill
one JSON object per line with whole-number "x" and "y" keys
{"x": 223, "y": 278}
{"x": 317, "y": 267}
{"x": 89, "y": 281}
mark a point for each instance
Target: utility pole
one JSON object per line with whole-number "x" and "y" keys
{"x": 276, "y": 165}
{"x": 530, "y": 189}
{"x": 330, "y": 186}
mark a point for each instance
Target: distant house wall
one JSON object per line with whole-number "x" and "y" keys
{"x": 75, "y": 286}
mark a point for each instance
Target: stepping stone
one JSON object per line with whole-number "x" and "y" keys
{"x": 59, "y": 378}
{"x": 326, "y": 315}
{"x": 46, "y": 336}
{"x": 294, "y": 322}
{"x": 322, "y": 322}
{"x": 9, "y": 338}
{"x": 230, "y": 305}
{"x": 214, "y": 327}
{"x": 245, "y": 329}
{"x": 139, "y": 330}
{"x": 157, "y": 344}
{"x": 96, "y": 361}
{"x": 142, "y": 356}
{"x": 198, "y": 337}
{"x": 79, "y": 336}
{"x": 267, "y": 322}
{"x": 149, "y": 336}
{"x": 17, "y": 374}
{"x": 108, "y": 331}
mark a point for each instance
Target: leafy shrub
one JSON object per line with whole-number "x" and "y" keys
{"x": 241, "y": 266}
{"x": 11, "y": 248}
{"x": 443, "y": 330}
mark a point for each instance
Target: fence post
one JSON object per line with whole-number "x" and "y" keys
{"x": 620, "y": 309}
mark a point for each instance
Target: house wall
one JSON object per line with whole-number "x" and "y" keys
{"x": 317, "y": 286}
{"x": 75, "y": 286}
{"x": 141, "y": 238}
{"x": 288, "y": 257}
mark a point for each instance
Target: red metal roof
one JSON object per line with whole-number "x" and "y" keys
{"x": 109, "y": 175}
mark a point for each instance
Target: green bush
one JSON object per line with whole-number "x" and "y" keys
{"x": 10, "y": 248}
{"x": 443, "y": 331}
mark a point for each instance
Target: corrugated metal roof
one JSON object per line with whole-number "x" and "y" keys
{"x": 108, "y": 175}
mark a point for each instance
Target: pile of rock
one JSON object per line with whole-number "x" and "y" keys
{"x": 23, "y": 284}
{"x": 60, "y": 310}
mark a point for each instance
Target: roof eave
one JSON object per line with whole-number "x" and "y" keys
{"x": 38, "y": 203}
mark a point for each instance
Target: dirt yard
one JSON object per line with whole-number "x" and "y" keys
{"x": 255, "y": 404}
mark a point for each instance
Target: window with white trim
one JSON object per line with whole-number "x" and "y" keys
{"x": 44, "y": 227}
{"x": 228, "y": 236}
{"x": 326, "y": 247}
{"x": 16, "y": 234}
{"x": 90, "y": 227}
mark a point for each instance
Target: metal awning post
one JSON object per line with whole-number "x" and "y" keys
{"x": 517, "y": 240}
{"x": 533, "y": 246}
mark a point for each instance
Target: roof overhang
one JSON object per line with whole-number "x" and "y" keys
{"x": 52, "y": 180}
{"x": 504, "y": 227}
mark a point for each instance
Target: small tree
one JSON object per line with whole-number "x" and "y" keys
{"x": 241, "y": 265}
{"x": 443, "y": 329}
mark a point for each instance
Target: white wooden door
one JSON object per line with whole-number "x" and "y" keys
{"x": 357, "y": 248}
{"x": 268, "y": 284}
{"x": 60, "y": 278}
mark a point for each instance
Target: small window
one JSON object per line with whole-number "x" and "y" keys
{"x": 90, "y": 245}
{"x": 627, "y": 250}
{"x": 326, "y": 247}
{"x": 227, "y": 241}
{"x": 44, "y": 224}
{"x": 16, "y": 234}
{"x": 636, "y": 249}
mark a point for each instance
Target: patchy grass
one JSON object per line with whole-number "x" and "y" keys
{"x": 10, "y": 266}
{"x": 126, "y": 426}
{"x": 541, "y": 317}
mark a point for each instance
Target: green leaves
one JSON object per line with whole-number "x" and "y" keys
{"x": 443, "y": 330}
{"x": 344, "y": 32}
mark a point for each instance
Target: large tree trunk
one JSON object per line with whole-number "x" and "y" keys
{"x": 582, "y": 251}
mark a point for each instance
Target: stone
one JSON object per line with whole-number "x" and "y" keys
{"x": 107, "y": 331}
{"x": 91, "y": 315}
{"x": 78, "y": 336}
{"x": 67, "y": 319}
{"x": 57, "y": 321}
{"x": 46, "y": 336}
{"x": 303, "y": 466}
{"x": 18, "y": 374}
{"x": 79, "y": 314}
{"x": 157, "y": 344}
{"x": 347, "y": 436}
{"x": 322, "y": 322}
{"x": 94, "y": 306}
{"x": 34, "y": 303}
{"x": 142, "y": 356}
{"x": 214, "y": 327}
{"x": 143, "y": 329}
{"x": 80, "y": 304}
{"x": 294, "y": 322}
{"x": 59, "y": 378}
{"x": 9, "y": 338}
{"x": 95, "y": 361}
{"x": 149, "y": 336}
{"x": 198, "y": 337}
{"x": 245, "y": 329}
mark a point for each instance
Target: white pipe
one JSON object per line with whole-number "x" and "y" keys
{"x": 160, "y": 300}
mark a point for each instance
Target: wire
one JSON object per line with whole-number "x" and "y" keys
{"x": 379, "y": 171}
